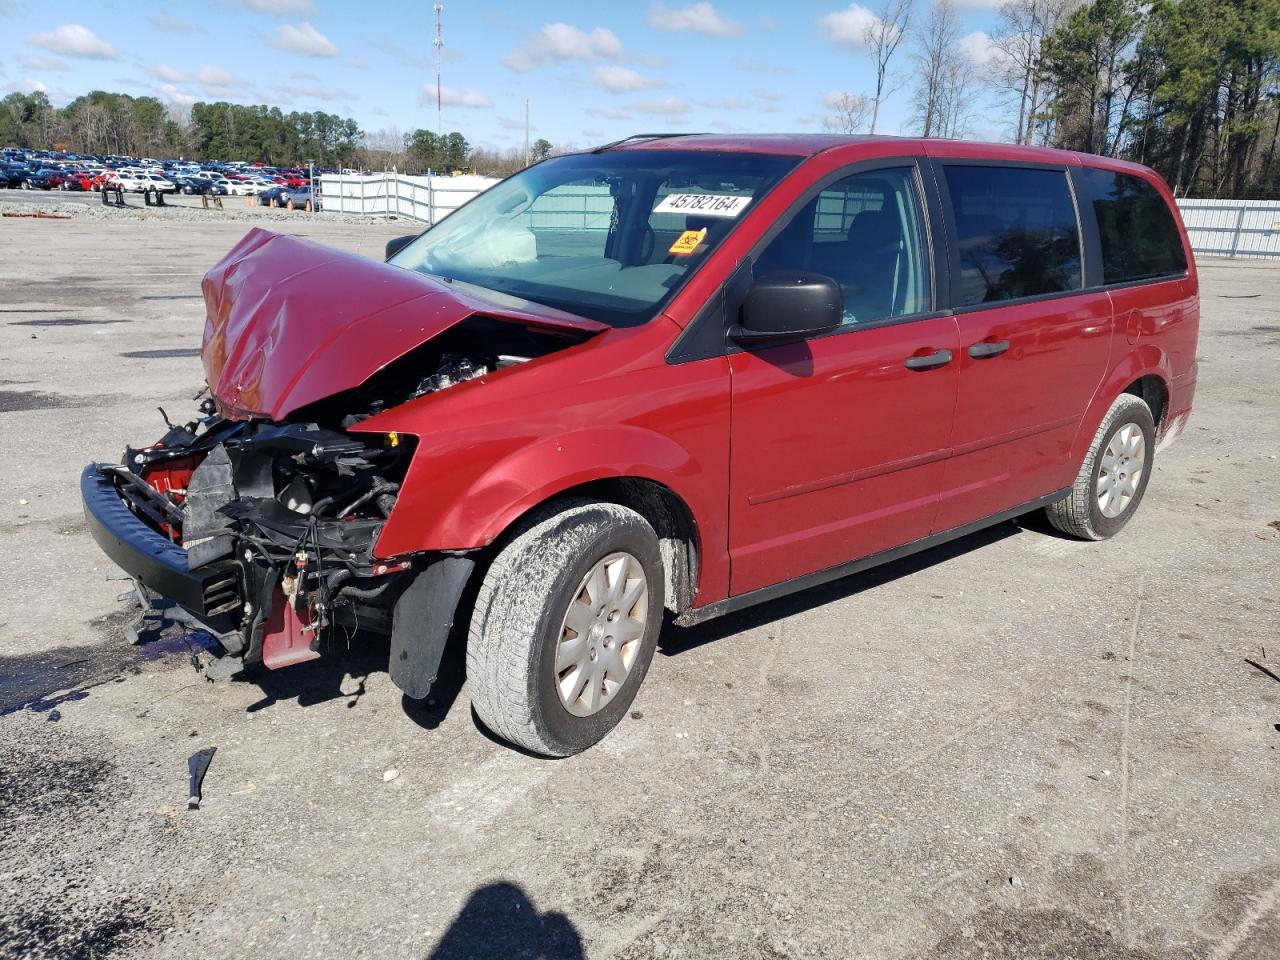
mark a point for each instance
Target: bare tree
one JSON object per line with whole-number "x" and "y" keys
{"x": 935, "y": 55}
{"x": 882, "y": 36}
{"x": 847, "y": 114}
{"x": 1023, "y": 26}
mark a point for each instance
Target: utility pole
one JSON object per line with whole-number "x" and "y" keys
{"x": 526, "y": 131}
{"x": 439, "y": 45}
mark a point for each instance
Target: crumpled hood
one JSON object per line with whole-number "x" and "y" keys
{"x": 289, "y": 322}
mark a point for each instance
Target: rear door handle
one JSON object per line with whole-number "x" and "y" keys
{"x": 939, "y": 358}
{"x": 988, "y": 348}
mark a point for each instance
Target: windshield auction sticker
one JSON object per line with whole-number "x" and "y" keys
{"x": 707, "y": 204}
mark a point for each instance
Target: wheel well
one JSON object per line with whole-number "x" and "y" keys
{"x": 670, "y": 518}
{"x": 1151, "y": 390}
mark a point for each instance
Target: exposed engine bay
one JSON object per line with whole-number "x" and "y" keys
{"x": 286, "y": 515}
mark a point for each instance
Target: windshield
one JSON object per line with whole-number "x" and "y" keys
{"x": 610, "y": 236}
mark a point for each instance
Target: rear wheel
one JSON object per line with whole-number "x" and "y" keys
{"x": 1114, "y": 475}
{"x": 565, "y": 625}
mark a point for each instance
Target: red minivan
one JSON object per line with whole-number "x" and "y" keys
{"x": 666, "y": 378}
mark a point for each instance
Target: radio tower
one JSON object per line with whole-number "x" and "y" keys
{"x": 439, "y": 45}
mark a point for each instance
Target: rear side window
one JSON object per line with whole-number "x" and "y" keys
{"x": 1016, "y": 231}
{"x": 1140, "y": 239}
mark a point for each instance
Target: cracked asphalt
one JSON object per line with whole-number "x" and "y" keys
{"x": 1013, "y": 746}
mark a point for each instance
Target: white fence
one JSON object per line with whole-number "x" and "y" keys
{"x": 428, "y": 199}
{"x": 1232, "y": 228}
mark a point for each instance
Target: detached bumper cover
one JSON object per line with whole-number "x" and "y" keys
{"x": 157, "y": 562}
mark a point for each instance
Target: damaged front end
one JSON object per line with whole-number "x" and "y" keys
{"x": 263, "y": 533}
{"x": 260, "y": 519}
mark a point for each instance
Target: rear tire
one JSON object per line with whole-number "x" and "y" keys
{"x": 1114, "y": 475}
{"x": 535, "y": 680}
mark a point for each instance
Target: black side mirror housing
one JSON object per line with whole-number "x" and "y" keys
{"x": 398, "y": 244}
{"x": 789, "y": 305}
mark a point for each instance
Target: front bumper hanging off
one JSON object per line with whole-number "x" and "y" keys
{"x": 210, "y": 594}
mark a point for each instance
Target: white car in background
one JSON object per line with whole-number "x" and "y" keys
{"x": 128, "y": 180}
{"x": 235, "y": 188}
{"x": 154, "y": 181}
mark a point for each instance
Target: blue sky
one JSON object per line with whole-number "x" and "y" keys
{"x": 591, "y": 71}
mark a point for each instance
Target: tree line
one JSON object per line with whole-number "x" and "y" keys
{"x": 1188, "y": 87}
{"x": 116, "y": 123}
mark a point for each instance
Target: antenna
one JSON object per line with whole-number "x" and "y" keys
{"x": 439, "y": 45}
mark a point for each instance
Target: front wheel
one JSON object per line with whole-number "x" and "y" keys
{"x": 565, "y": 625}
{"x": 1114, "y": 474}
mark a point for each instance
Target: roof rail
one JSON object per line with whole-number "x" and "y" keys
{"x": 643, "y": 136}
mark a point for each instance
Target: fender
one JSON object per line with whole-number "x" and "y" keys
{"x": 1146, "y": 359}
{"x": 442, "y": 510}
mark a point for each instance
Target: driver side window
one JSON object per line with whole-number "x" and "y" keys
{"x": 865, "y": 233}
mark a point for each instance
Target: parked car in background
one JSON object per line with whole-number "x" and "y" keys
{"x": 42, "y": 179}
{"x": 294, "y": 198}
{"x": 12, "y": 175}
{"x": 267, "y": 198}
{"x": 130, "y": 181}
{"x": 81, "y": 180}
{"x": 156, "y": 182}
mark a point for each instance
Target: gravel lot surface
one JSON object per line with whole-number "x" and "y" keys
{"x": 1014, "y": 746}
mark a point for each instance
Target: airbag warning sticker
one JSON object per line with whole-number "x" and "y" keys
{"x": 707, "y": 204}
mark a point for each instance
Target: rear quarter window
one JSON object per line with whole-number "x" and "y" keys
{"x": 1016, "y": 232}
{"x": 1140, "y": 240}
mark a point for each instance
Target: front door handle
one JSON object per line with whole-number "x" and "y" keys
{"x": 988, "y": 348}
{"x": 939, "y": 358}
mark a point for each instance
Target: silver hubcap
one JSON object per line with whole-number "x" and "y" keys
{"x": 1123, "y": 462}
{"x": 601, "y": 633}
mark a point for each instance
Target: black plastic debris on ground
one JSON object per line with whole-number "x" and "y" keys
{"x": 197, "y": 767}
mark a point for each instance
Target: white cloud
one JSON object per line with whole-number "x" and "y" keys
{"x": 73, "y": 40}
{"x": 668, "y": 106}
{"x": 979, "y": 47}
{"x": 178, "y": 96}
{"x": 27, "y": 85}
{"x": 726, "y": 103}
{"x": 610, "y": 113}
{"x": 360, "y": 63}
{"x": 617, "y": 79}
{"x": 314, "y": 91}
{"x": 698, "y": 18}
{"x": 847, "y": 27}
{"x": 162, "y": 21}
{"x": 43, "y": 63}
{"x": 562, "y": 41}
{"x": 279, "y": 6}
{"x": 304, "y": 39}
{"x": 450, "y": 97}
{"x": 214, "y": 81}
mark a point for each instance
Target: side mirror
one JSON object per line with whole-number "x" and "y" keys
{"x": 398, "y": 244}
{"x": 789, "y": 305}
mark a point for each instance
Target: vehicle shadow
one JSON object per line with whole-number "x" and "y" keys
{"x": 322, "y": 680}
{"x": 499, "y": 920}
{"x": 319, "y": 681}
{"x": 676, "y": 640}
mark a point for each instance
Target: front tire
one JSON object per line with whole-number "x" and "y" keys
{"x": 565, "y": 625}
{"x": 1114, "y": 475}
